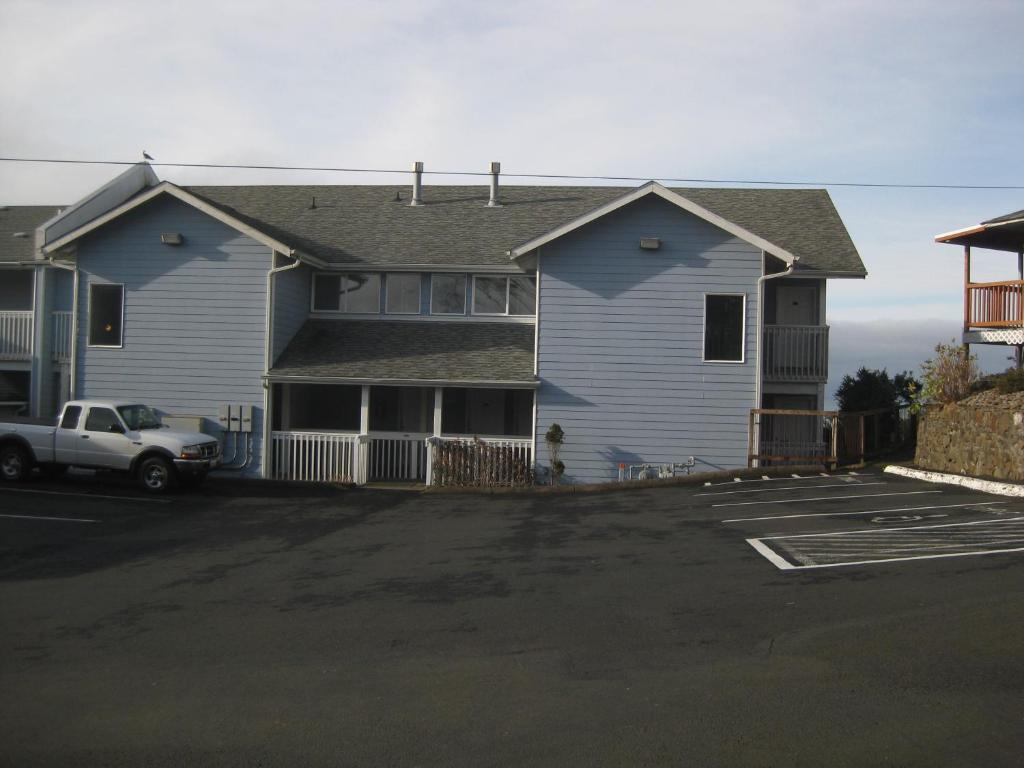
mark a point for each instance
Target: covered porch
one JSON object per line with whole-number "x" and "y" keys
{"x": 367, "y": 433}
{"x": 371, "y": 401}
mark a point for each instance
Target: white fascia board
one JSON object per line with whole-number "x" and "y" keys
{"x": 654, "y": 188}
{"x": 122, "y": 187}
{"x": 945, "y": 236}
{"x": 468, "y": 384}
{"x": 188, "y": 198}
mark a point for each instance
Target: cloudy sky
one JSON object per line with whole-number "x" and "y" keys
{"x": 925, "y": 92}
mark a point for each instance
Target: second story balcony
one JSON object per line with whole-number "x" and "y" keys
{"x": 795, "y": 353}
{"x": 16, "y": 331}
{"x": 994, "y": 305}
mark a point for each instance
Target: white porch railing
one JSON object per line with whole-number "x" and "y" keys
{"x": 61, "y": 346}
{"x": 795, "y": 353}
{"x": 15, "y": 335}
{"x": 396, "y": 456}
{"x": 502, "y": 461}
{"x": 323, "y": 457}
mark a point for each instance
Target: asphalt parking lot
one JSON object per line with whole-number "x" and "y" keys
{"x": 846, "y": 619}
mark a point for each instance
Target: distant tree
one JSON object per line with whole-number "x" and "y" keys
{"x": 908, "y": 389}
{"x": 871, "y": 390}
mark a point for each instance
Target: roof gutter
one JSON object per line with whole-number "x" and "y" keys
{"x": 268, "y": 348}
{"x": 509, "y": 384}
{"x": 73, "y": 389}
{"x": 760, "y": 334}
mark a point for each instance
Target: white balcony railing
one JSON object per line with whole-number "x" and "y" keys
{"x": 396, "y": 456}
{"x": 61, "y": 345}
{"x": 16, "y": 335}
{"x": 323, "y": 457}
{"x": 795, "y": 353}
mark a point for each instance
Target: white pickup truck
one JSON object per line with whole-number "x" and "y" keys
{"x": 101, "y": 434}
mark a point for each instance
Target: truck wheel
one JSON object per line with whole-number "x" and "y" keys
{"x": 155, "y": 474}
{"x": 15, "y": 463}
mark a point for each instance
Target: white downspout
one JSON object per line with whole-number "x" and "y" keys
{"x": 73, "y": 373}
{"x": 268, "y": 350}
{"x": 760, "y": 335}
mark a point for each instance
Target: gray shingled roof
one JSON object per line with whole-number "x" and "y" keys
{"x": 1015, "y": 216}
{"x": 15, "y": 219}
{"x": 431, "y": 351}
{"x": 371, "y": 225}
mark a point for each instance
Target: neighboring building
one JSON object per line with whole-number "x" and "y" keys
{"x": 35, "y": 316}
{"x": 354, "y": 322}
{"x": 994, "y": 311}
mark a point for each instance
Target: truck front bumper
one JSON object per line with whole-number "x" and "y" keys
{"x": 196, "y": 466}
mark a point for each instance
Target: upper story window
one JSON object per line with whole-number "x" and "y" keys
{"x": 106, "y": 315}
{"x": 354, "y": 292}
{"x": 447, "y": 294}
{"x": 504, "y": 294}
{"x": 403, "y": 293}
{"x": 724, "y": 326}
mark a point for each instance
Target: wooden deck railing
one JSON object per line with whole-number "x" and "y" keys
{"x": 16, "y": 335}
{"x": 994, "y": 305}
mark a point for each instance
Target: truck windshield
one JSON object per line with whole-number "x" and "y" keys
{"x": 139, "y": 417}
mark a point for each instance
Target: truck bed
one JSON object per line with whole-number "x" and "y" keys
{"x": 34, "y": 421}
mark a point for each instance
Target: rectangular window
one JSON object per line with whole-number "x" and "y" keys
{"x": 106, "y": 315}
{"x": 403, "y": 289}
{"x": 101, "y": 420}
{"x": 522, "y": 295}
{"x": 724, "y": 317}
{"x": 70, "y": 418}
{"x": 447, "y": 294}
{"x": 511, "y": 295}
{"x": 356, "y": 292}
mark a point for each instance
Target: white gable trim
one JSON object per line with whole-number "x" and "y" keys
{"x": 654, "y": 188}
{"x": 167, "y": 188}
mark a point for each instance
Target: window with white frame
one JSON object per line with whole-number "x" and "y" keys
{"x": 353, "y": 292}
{"x": 106, "y": 315}
{"x": 403, "y": 293}
{"x": 447, "y": 294}
{"x": 724, "y": 322}
{"x": 504, "y": 294}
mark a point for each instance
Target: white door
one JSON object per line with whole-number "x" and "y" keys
{"x": 794, "y": 305}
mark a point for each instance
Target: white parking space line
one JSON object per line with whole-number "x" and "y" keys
{"x": 56, "y": 519}
{"x": 887, "y": 545}
{"x": 821, "y": 498}
{"x": 788, "y": 478}
{"x": 845, "y": 484}
{"x": 865, "y": 512}
{"x": 86, "y": 495}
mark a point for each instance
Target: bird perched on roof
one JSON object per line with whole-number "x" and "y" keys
{"x": 145, "y": 155}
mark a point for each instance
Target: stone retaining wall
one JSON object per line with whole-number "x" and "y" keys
{"x": 982, "y": 436}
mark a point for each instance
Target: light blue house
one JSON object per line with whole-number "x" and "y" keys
{"x": 348, "y": 332}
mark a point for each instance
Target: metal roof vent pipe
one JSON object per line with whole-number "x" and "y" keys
{"x": 495, "y": 171}
{"x": 417, "y": 183}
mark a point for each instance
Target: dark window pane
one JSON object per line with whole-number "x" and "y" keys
{"x": 489, "y": 295}
{"x": 522, "y": 295}
{"x": 403, "y": 293}
{"x": 453, "y": 411}
{"x": 323, "y": 406}
{"x": 401, "y": 409}
{"x": 448, "y": 295}
{"x": 325, "y": 292}
{"x": 100, "y": 420}
{"x": 70, "y": 418}
{"x": 723, "y": 328}
{"x": 105, "y": 312}
{"x": 487, "y": 412}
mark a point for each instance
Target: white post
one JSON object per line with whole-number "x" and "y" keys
{"x": 432, "y": 441}
{"x": 362, "y": 453}
{"x": 364, "y": 411}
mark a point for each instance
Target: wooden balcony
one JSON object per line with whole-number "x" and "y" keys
{"x": 795, "y": 353}
{"x": 994, "y": 305}
{"x": 16, "y": 330}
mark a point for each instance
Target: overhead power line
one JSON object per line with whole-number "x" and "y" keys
{"x": 562, "y": 176}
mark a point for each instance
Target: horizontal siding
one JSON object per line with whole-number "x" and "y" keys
{"x": 291, "y": 305}
{"x": 621, "y": 343}
{"x": 194, "y": 315}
